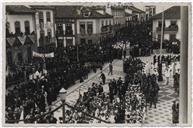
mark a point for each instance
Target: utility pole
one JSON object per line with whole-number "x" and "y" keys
{"x": 160, "y": 77}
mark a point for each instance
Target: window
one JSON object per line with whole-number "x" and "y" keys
{"x": 41, "y": 17}
{"x": 89, "y": 28}
{"x": 60, "y": 43}
{"x": 17, "y": 27}
{"x": 160, "y": 24}
{"x": 102, "y": 23}
{"x": 106, "y": 22}
{"x": 48, "y": 16}
{"x": 69, "y": 29}
{"x": 89, "y": 41}
{"x": 59, "y": 30}
{"x": 82, "y": 41}
{"x": 159, "y": 37}
{"x": 27, "y": 27}
{"x": 153, "y": 11}
{"x": 69, "y": 42}
{"x": 109, "y": 22}
{"x": 173, "y": 23}
{"x": 82, "y": 28}
{"x": 41, "y": 20}
{"x": 172, "y": 37}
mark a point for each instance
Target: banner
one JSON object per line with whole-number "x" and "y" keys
{"x": 35, "y": 54}
{"x": 47, "y": 55}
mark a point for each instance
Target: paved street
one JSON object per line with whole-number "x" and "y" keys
{"x": 160, "y": 115}
{"x": 163, "y": 113}
{"x": 74, "y": 91}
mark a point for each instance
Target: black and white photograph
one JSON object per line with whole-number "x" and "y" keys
{"x": 97, "y": 63}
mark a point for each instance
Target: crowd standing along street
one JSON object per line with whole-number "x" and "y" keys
{"x": 107, "y": 64}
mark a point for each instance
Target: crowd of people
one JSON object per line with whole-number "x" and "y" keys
{"x": 38, "y": 88}
{"x": 125, "y": 102}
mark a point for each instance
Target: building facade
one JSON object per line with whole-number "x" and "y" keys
{"x": 150, "y": 11}
{"x": 44, "y": 22}
{"x": 118, "y": 13}
{"x": 172, "y": 25}
{"x": 65, "y": 25}
{"x": 81, "y": 25}
{"x": 20, "y": 34}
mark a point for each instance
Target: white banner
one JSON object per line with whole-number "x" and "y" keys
{"x": 47, "y": 55}
{"x": 35, "y": 54}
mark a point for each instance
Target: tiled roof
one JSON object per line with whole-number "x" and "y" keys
{"x": 117, "y": 7}
{"x": 74, "y": 12}
{"x": 170, "y": 13}
{"x": 42, "y": 7}
{"x": 19, "y": 9}
{"x": 134, "y": 9}
{"x": 66, "y": 11}
{"x": 98, "y": 7}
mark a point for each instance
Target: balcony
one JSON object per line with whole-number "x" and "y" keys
{"x": 170, "y": 29}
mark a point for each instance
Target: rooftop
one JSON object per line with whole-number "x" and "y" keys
{"x": 19, "y": 9}
{"x": 134, "y": 9}
{"x": 76, "y": 12}
{"x": 170, "y": 13}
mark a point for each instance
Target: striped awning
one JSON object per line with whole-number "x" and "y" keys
{"x": 17, "y": 43}
{"x": 28, "y": 41}
{"x": 8, "y": 44}
{"x": 10, "y": 41}
{"x": 22, "y": 39}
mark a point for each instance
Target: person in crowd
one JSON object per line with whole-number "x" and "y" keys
{"x": 103, "y": 77}
{"x": 110, "y": 69}
{"x": 167, "y": 75}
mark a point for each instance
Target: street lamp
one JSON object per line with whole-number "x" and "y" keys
{"x": 62, "y": 95}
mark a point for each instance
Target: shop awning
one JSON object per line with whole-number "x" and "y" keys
{"x": 7, "y": 44}
{"x": 28, "y": 41}
{"x": 17, "y": 43}
{"x": 22, "y": 39}
{"x": 10, "y": 41}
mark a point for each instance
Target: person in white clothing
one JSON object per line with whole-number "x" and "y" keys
{"x": 167, "y": 74}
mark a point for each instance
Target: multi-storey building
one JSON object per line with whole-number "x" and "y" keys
{"x": 172, "y": 24}
{"x": 150, "y": 11}
{"x": 65, "y": 22}
{"x": 20, "y": 34}
{"x": 137, "y": 14}
{"x": 44, "y": 22}
{"x": 118, "y": 13}
{"x": 81, "y": 25}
